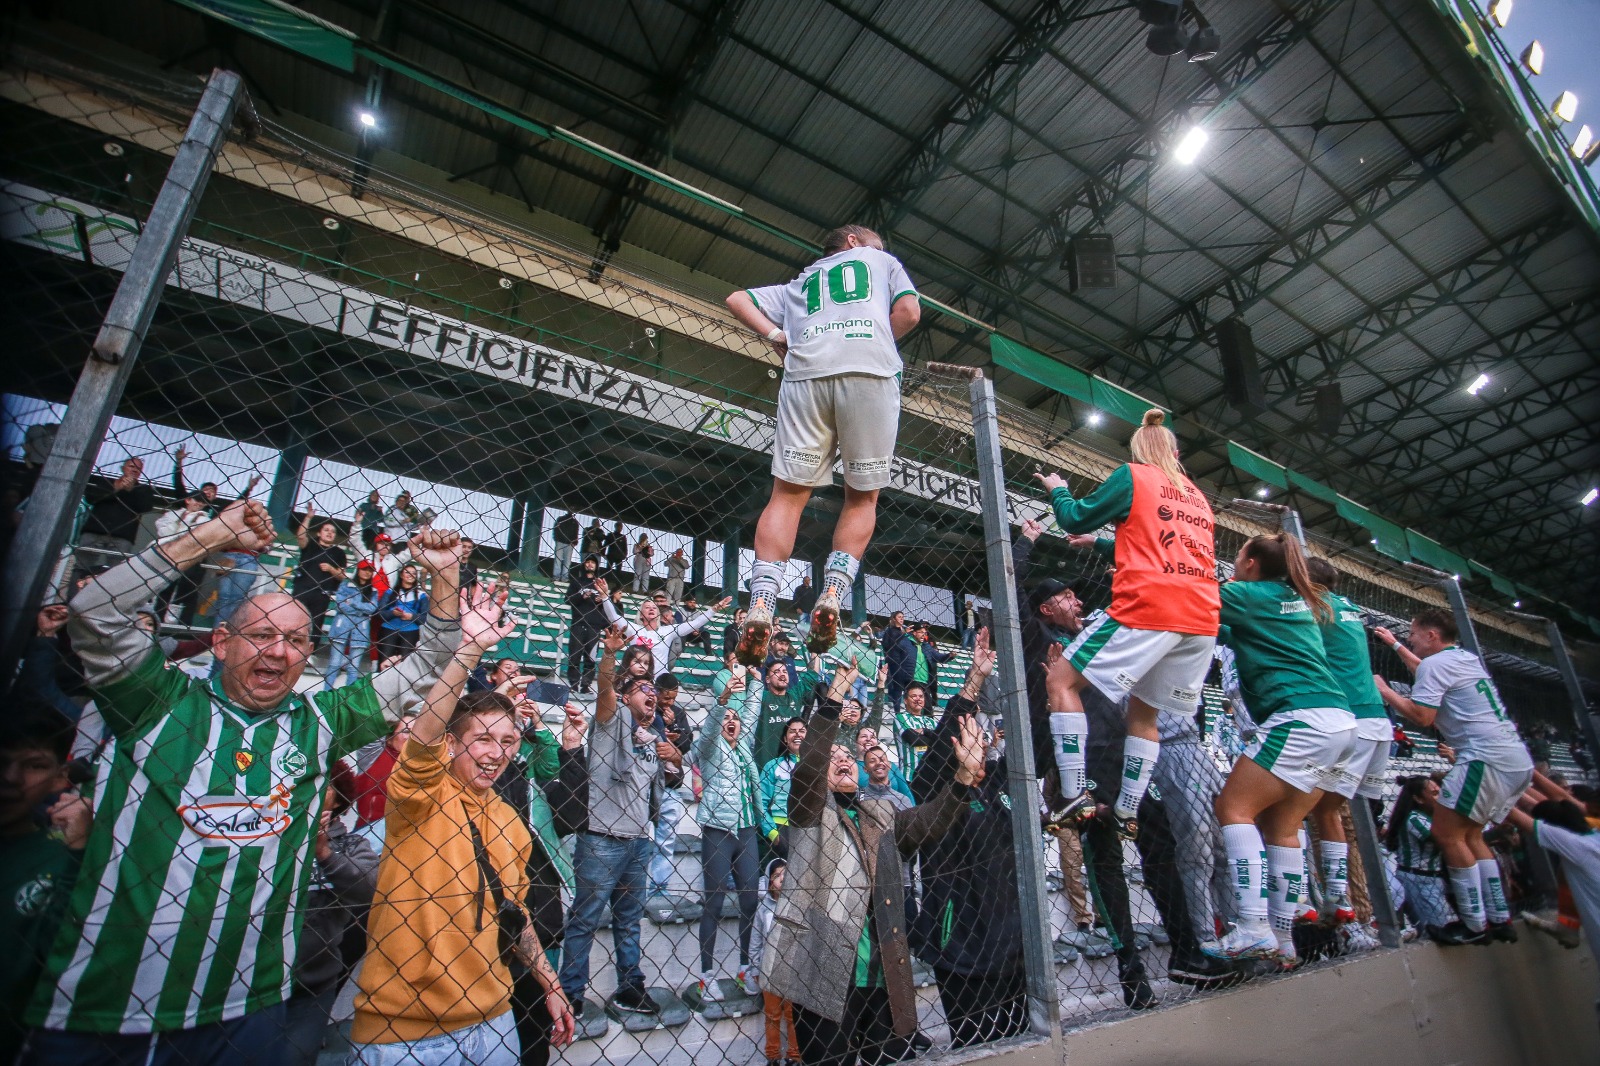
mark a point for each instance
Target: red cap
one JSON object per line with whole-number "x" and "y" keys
{"x": 381, "y": 538}
{"x": 365, "y": 565}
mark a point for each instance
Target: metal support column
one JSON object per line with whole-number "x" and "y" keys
{"x": 514, "y": 531}
{"x": 697, "y": 565}
{"x": 1044, "y": 1004}
{"x": 730, "y": 562}
{"x": 38, "y": 542}
{"x": 531, "y": 527}
{"x": 1569, "y": 677}
{"x": 1368, "y": 840}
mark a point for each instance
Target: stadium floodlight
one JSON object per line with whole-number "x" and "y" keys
{"x": 1566, "y": 106}
{"x": 1500, "y": 12}
{"x": 1190, "y": 144}
{"x": 1533, "y": 57}
{"x": 1516, "y": 603}
{"x": 1263, "y": 492}
{"x": 1094, "y": 418}
{"x": 1591, "y": 496}
{"x": 1205, "y": 42}
{"x": 368, "y": 120}
{"x": 1583, "y": 141}
{"x": 1163, "y": 17}
{"x": 1478, "y": 383}
{"x": 1592, "y": 154}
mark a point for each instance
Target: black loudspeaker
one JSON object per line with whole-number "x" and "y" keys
{"x": 1091, "y": 262}
{"x": 1241, "y": 376}
{"x": 1329, "y": 405}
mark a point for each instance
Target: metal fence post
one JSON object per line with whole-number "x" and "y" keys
{"x": 53, "y": 503}
{"x": 1367, "y": 839}
{"x": 1044, "y": 1005}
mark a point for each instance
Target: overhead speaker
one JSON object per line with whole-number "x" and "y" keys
{"x": 1328, "y": 403}
{"x": 1091, "y": 262}
{"x": 1241, "y": 376}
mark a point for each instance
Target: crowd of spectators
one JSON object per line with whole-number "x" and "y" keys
{"x": 445, "y": 832}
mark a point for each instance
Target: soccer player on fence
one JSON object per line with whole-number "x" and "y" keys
{"x": 208, "y": 794}
{"x": 1153, "y": 646}
{"x": 835, "y": 326}
{"x": 1271, "y": 617}
{"x": 1453, "y": 693}
{"x": 1344, "y": 639}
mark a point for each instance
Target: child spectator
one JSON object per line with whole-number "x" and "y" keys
{"x": 779, "y": 1012}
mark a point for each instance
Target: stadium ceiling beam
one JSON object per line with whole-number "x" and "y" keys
{"x": 677, "y": 91}
{"x": 1190, "y": 325}
{"x": 1491, "y": 515}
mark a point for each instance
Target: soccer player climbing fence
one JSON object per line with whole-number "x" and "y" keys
{"x": 446, "y": 406}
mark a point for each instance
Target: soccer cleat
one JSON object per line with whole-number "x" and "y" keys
{"x": 1199, "y": 970}
{"x": 1070, "y": 814}
{"x": 753, "y": 639}
{"x": 824, "y": 623}
{"x": 1343, "y": 915}
{"x": 710, "y": 991}
{"x": 635, "y": 1000}
{"x": 1245, "y": 943}
{"x": 1455, "y": 934}
{"x": 1503, "y": 931}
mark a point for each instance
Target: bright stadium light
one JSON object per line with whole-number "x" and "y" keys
{"x": 1500, "y": 11}
{"x": 368, "y": 119}
{"x": 1583, "y": 141}
{"x": 1262, "y": 492}
{"x": 1478, "y": 383}
{"x": 1188, "y": 149}
{"x": 1094, "y": 418}
{"x": 1591, "y": 496}
{"x": 1516, "y": 603}
{"x": 1566, "y": 106}
{"x": 1533, "y": 57}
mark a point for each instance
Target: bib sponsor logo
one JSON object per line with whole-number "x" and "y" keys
{"x": 238, "y": 819}
{"x": 1187, "y": 570}
{"x": 1167, "y": 537}
{"x": 243, "y": 760}
{"x": 1173, "y": 514}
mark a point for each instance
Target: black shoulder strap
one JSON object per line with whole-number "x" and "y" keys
{"x": 487, "y": 877}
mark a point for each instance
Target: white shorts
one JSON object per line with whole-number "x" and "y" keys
{"x": 1306, "y": 757}
{"x": 855, "y": 417}
{"x": 1372, "y": 768}
{"x": 1480, "y": 793}
{"x": 1165, "y": 670}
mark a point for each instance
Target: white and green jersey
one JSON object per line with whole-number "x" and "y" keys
{"x": 1471, "y": 717}
{"x": 1417, "y": 852}
{"x": 911, "y": 754}
{"x": 186, "y": 909}
{"x": 836, "y": 315}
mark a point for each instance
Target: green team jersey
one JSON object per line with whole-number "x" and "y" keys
{"x": 911, "y": 754}
{"x": 1277, "y": 644}
{"x": 36, "y": 874}
{"x": 775, "y": 711}
{"x": 1417, "y": 851}
{"x": 1345, "y": 641}
{"x": 186, "y": 909}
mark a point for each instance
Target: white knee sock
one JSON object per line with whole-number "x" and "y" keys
{"x": 1138, "y": 766}
{"x": 1285, "y": 889}
{"x": 840, "y": 574}
{"x": 765, "y": 580}
{"x": 1069, "y": 730}
{"x": 1247, "y": 859}
{"x": 1494, "y": 891}
{"x": 1467, "y": 887}
{"x": 1336, "y": 872}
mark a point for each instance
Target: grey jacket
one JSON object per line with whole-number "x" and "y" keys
{"x": 838, "y": 871}
{"x": 341, "y": 890}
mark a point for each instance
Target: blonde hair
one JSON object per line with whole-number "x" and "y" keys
{"x": 1153, "y": 444}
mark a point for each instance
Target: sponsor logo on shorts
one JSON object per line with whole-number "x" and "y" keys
{"x": 802, "y": 457}
{"x": 1125, "y": 682}
{"x": 868, "y": 466}
{"x": 1185, "y": 695}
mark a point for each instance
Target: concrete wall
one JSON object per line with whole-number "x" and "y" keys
{"x": 1527, "y": 1004}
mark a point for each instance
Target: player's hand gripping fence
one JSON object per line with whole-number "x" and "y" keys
{"x": 380, "y": 449}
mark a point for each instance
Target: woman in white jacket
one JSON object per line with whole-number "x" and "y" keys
{"x": 649, "y": 632}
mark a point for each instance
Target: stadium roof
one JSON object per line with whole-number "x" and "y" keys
{"x": 1370, "y": 202}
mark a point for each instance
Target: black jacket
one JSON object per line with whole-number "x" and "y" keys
{"x": 566, "y": 529}
{"x": 586, "y": 610}
{"x": 568, "y": 796}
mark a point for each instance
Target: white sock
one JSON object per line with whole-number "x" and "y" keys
{"x": 1467, "y": 886}
{"x": 765, "y": 580}
{"x": 1336, "y": 872}
{"x": 1069, "y": 730}
{"x": 1138, "y": 766}
{"x": 1285, "y": 889}
{"x": 840, "y": 574}
{"x": 1494, "y": 891}
{"x": 1247, "y": 859}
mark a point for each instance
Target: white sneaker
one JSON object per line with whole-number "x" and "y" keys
{"x": 1358, "y": 937}
{"x": 710, "y": 990}
{"x": 1245, "y": 942}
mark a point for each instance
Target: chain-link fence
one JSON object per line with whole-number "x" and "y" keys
{"x": 472, "y": 448}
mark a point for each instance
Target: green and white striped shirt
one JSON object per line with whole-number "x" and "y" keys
{"x": 1417, "y": 852}
{"x": 911, "y": 754}
{"x": 186, "y": 910}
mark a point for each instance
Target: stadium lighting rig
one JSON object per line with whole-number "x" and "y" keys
{"x": 1190, "y": 144}
{"x": 1590, "y": 496}
{"x": 1477, "y": 384}
{"x": 1533, "y": 57}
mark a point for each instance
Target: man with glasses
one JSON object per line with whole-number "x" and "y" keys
{"x": 208, "y": 795}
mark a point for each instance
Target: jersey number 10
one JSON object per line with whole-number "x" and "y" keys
{"x": 849, "y": 282}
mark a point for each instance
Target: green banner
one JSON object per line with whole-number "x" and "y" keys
{"x": 1040, "y": 368}
{"x": 281, "y": 24}
{"x": 1430, "y": 552}
{"x": 1119, "y": 402}
{"x": 1314, "y": 489}
{"x": 1387, "y": 537}
{"x": 1257, "y": 466}
{"x": 1501, "y": 585}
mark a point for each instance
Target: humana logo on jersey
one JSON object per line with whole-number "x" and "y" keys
{"x": 239, "y": 819}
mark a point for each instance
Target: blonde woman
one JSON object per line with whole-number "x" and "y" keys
{"x": 1153, "y": 645}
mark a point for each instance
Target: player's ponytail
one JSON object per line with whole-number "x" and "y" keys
{"x": 1281, "y": 558}
{"x": 1153, "y": 444}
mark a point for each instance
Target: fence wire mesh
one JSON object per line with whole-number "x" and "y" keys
{"x": 383, "y": 370}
